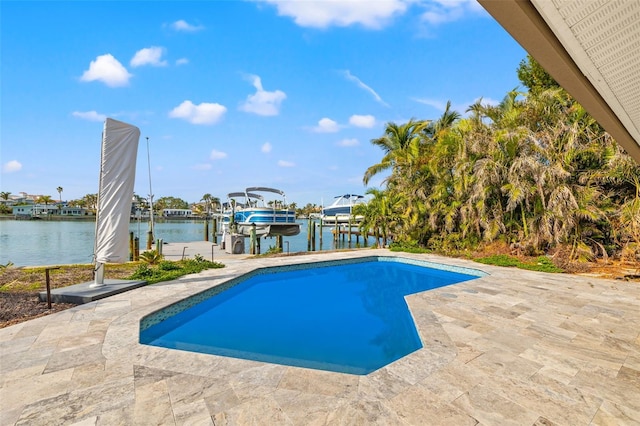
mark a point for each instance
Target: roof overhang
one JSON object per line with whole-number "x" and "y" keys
{"x": 591, "y": 48}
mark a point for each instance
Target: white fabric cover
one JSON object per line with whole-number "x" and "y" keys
{"x": 117, "y": 175}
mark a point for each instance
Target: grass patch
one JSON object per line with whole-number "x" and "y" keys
{"x": 540, "y": 264}
{"x": 410, "y": 247}
{"x": 166, "y": 270}
{"x": 32, "y": 279}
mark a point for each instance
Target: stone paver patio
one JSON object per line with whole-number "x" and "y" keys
{"x": 514, "y": 347}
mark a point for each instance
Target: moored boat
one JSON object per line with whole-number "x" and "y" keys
{"x": 341, "y": 209}
{"x": 250, "y": 210}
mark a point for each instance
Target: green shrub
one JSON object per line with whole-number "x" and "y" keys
{"x": 540, "y": 264}
{"x": 142, "y": 273}
{"x": 152, "y": 257}
{"x": 408, "y": 247}
{"x": 167, "y": 265}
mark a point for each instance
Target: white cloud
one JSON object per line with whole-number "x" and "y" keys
{"x": 205, "y": 113}
{"x": 366, "y": 121}
{"x": 202, "y": 167}
{"x": 326, "y": 125}
{"x": 323, "y": 14}
{"x": 348, "y": 142}
{"x": 217, "y": 155}
{"x": 89, "y": 115}
{"x": 108, "y": 70}
{"x": 182, "y": 61}
{"x": 263, "y": 102}
{"x": 266, "y": 148}
{"x": 283, "y": 163}
{"x": 440, "y": 11}
{"x": 149, "y": 56}
{"x": 11, "y": 166}
{"x": 434, "y": 103}
{"x": 347, "y": 74}
{"x": 182, "y": 25}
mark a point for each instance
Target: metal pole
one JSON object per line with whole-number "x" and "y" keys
{"x": 46, "y": 274}
{"x": 150, "y": 191}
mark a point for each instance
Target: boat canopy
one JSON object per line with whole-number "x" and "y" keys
{"x": 264, "y": 189}
{"x": 245, "y": 194}
{"x": 350, "y": 196}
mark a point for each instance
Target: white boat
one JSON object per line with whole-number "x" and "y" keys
{"x": 250, "y": 210}
{"x": 342, "y": 208}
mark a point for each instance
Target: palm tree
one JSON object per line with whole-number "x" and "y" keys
{"x": 59, "y": 189}
{"x": 378, "y": 215}
{"x": 207, "y": 202}
{"x": 44, "y": 199}
{"x": 401, "y": 146}
{"x": 5, "y": 195}
{"x": 91, "y": 202}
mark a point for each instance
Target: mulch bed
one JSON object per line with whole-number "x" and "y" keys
{"x": 19, "y": 307}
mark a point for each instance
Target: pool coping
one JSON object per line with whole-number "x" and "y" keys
{"x": 118, "y": 347}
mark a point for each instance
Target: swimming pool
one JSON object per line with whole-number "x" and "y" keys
{"x": 343, "y": 316}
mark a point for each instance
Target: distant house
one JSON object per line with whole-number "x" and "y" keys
{"x": 72, "y": 211}
{"x": 23, "y": 210}
{"x": 44, "y": 210}
{"x": 177, "y": 213}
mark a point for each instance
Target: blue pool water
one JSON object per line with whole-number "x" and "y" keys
{"x": 349, "y": 318}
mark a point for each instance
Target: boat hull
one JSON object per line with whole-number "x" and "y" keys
{"x": 269, "y": 229}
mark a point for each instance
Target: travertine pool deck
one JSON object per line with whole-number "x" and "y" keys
{"x": 514, "y": 347}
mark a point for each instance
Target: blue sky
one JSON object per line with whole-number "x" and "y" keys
{"x": 234, "y": 94}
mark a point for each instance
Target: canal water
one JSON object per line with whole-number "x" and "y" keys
{"x": 43, "y": 242}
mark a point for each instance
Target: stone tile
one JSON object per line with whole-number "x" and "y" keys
{"x": 89, "y": 421}
{"x": 146, "y": 375}
{"x": 78, "y": 405}
{"x": 10, "y": 416}
{"x": 222, "y": 401}
{"x": 21, "y": 392}
{"x": 258, "y": 411}
{"x": 611, "y": 414}
{"x": 420, "y": 406}
{"x": 21, "y": 374}
{"x": 193, "y": 413}
{"x": 558, "y": 402}
{"x": 30, "y": 328}
{"x": 490, "y": 408}
{"x": 307, "y": 409}
{"x": 152, "y": 404}
{"x": 319, "y": 382}
{"x": 75, "y": 357}
{"x": 187, "y": 388}
{"x": 16, "y": 344}
{"x": 60, "y": 330}
{"x": 364, "y": 412}
{"x": 25, "y": 359}
{"x": 452, "y": 381}
{"x": 381, "y": 384}
{"x": 505, "y": 364}
{"x": 598, "y": 382}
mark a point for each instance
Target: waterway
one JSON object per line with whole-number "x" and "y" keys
{"x": 43, "y": 242}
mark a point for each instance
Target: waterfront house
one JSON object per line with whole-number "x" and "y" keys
{"x": 44, "y": 210}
